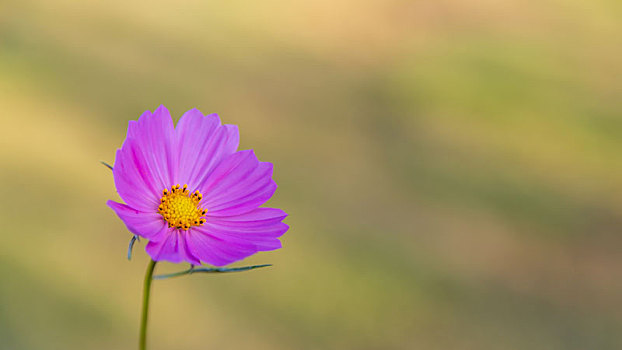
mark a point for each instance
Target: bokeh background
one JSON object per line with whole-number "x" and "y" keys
{"x": 452, "y": 170}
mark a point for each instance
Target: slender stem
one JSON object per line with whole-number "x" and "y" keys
{"x": 142, "y": 343}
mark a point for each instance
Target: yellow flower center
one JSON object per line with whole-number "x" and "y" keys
{"x": 181, "y": 209}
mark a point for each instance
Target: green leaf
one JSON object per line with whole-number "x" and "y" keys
{"x": 106, "y": 164}
{"x": 209, "y": 270}
{"x": 129, "y": 249}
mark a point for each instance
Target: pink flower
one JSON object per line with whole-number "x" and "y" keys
{"x": 191, "y": 193}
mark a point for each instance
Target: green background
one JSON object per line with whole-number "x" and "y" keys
{"x": 452, "y": 170}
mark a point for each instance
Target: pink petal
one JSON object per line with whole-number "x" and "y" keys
{"x": 261, "y": 227}
{"x": 146, "y": 163}
{"x": 239, "y": 184}
{"x": 215, "y": 250}
{"x": 259, "y": 215}
{"x": 171, "y": 247}
{"x": 202, "y": 143}
{"x": 144, "y": 224}
{"x": 263, "y": 238}
{"x": 133, "y": 178}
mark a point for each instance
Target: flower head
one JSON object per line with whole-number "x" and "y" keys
{"x": 191, "y": 193}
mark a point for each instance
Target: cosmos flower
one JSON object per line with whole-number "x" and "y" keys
{"x": 191, "y": 193}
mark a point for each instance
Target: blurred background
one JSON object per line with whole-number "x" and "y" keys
{"x": 452, "y": 170}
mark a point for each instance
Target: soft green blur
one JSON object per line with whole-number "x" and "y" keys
{"x": 452, "y": 170}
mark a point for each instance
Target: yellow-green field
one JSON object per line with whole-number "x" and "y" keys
{"x": 452, "y": 170}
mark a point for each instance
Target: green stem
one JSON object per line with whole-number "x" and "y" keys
{"x": 142, "y": 343}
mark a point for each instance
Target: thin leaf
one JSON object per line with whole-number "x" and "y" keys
{"x": 129, "y": 249}
{"x": 209, "y": 270}
{"x": 106, "y": 164}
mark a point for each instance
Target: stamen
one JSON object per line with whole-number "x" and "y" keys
{"x": 180, "y": 209}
